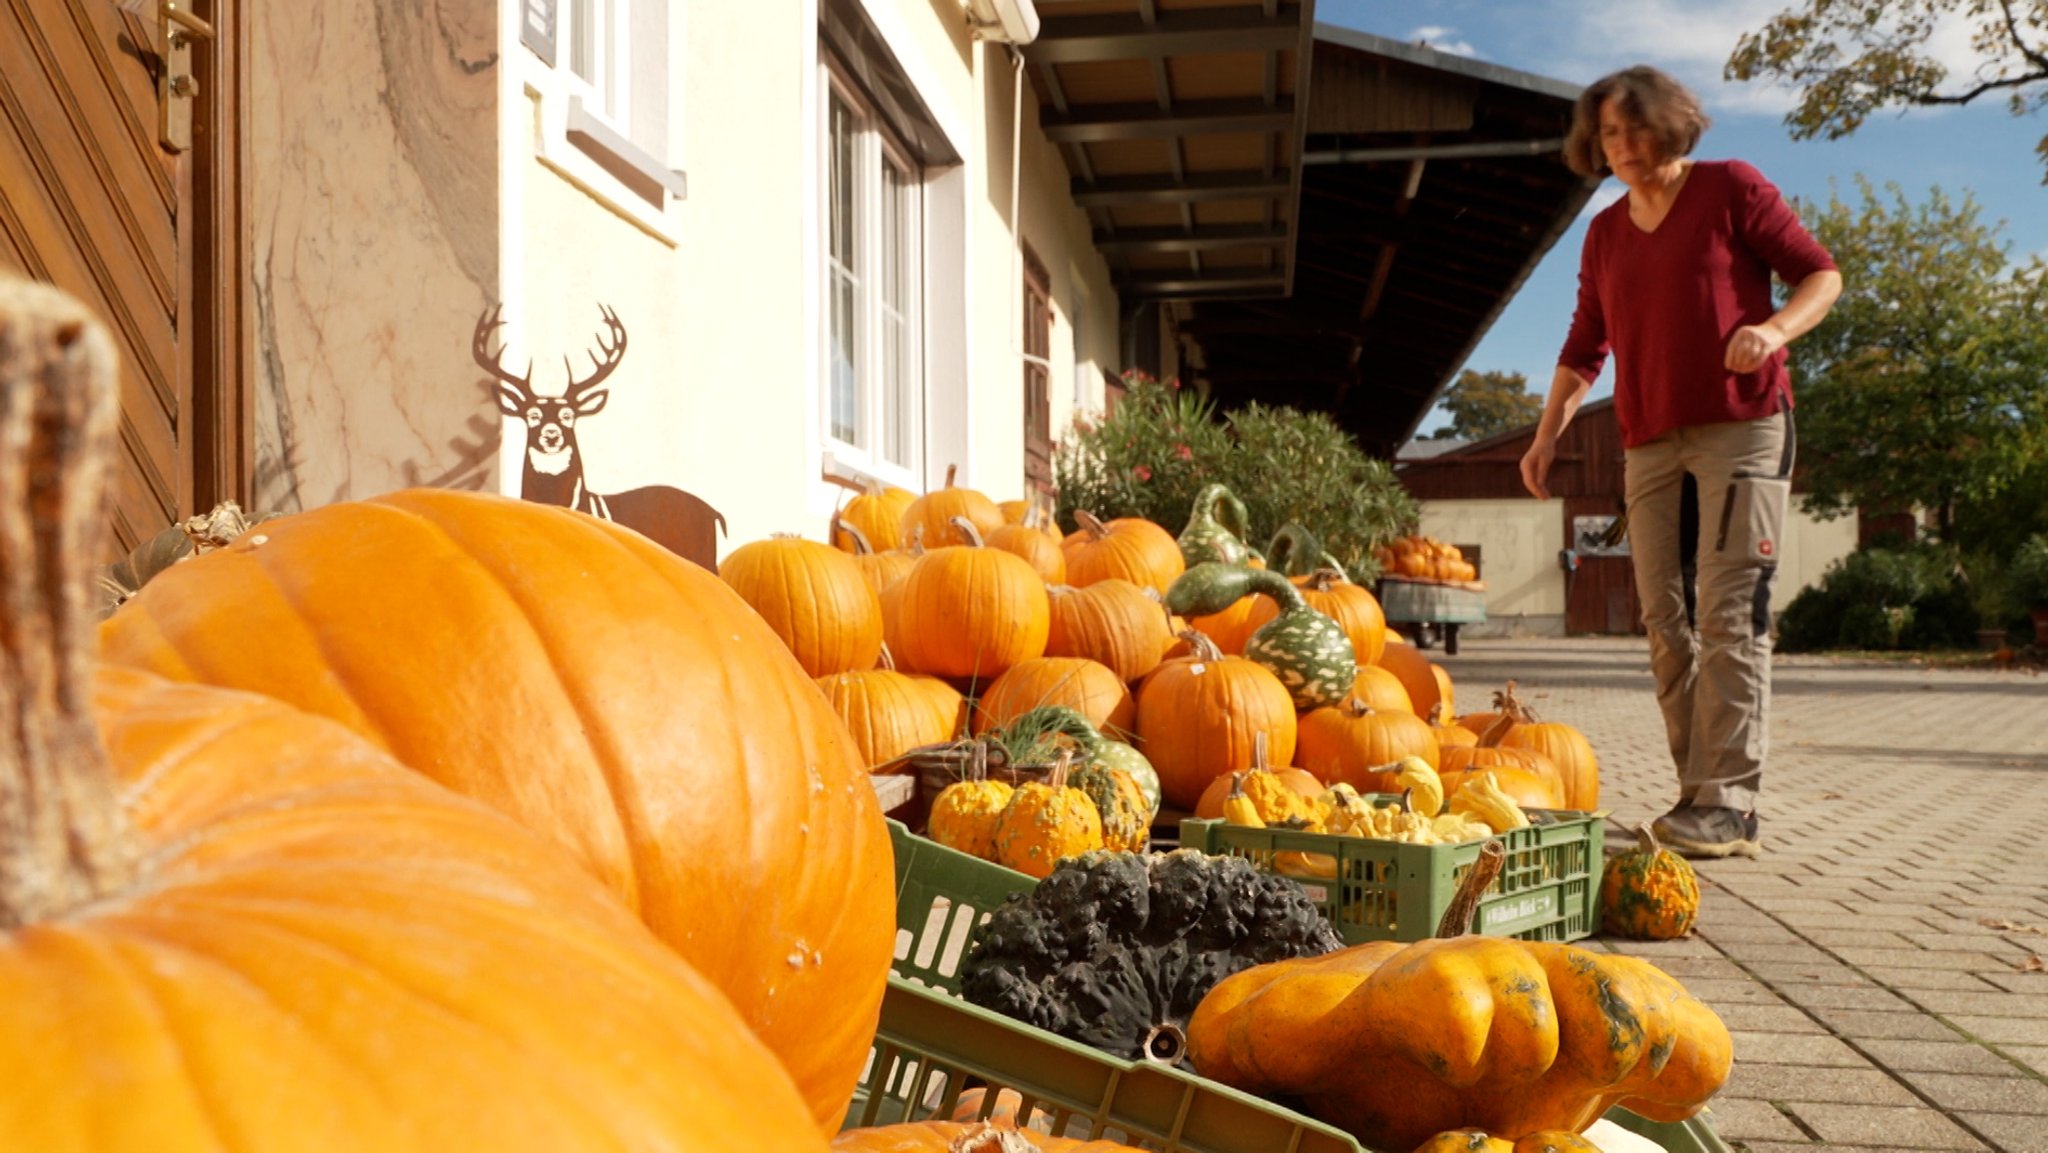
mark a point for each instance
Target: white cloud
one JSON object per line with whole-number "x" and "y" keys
{"x": 1693, "y": 40}
{"x": 1443, "y": 40}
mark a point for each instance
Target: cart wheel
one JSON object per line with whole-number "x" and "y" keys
{"x": 1425, "y": 637}
{"x": 1450, "y": 640}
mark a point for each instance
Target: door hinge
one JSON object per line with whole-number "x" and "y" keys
{"x": 176, "y": 87}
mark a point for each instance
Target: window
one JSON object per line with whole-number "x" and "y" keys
{"x": 873, "y": 252}
{"x": 601, "y": 74}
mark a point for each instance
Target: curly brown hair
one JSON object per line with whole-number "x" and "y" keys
{"x": 1648, "y": 97}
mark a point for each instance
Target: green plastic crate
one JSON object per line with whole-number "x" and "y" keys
{"x": 1549, "y": 888}
{"x": 931, "y": 1046}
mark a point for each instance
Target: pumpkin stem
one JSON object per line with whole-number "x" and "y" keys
{"x": 1478, "y": 878}
{"x": 1090, "y": 524}
{"x": 861, "y": 547}
{"x": 63, "y": 838}
{"x": 1646, "y": 839}
{"x": 1204, "y": 646}
{"x": 967, "y": 530}
{"x": 1259, "y": 751}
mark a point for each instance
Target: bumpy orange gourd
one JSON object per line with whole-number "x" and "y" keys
{"x": 1087, "y": 687}
{"x": 1199, "y": 718}
{"x": 1648, "y": 891}
{"x": 581, "y": 678}
{"x": 1045, "y": 821}
{"x": 1397, "y": 1043}
{"x": 225, "y": 923}
{"x": 1112, "y": 622}
{"x": 814, "y": 597}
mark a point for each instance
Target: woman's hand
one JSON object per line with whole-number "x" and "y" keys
{"x": 1536, "y": 466}
{"x": 1752, "y": 345}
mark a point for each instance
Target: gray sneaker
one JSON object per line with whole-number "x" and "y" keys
{"x": 1707, "y": 831}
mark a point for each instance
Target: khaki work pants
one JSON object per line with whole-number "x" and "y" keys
{"x": 1713, "y": 676}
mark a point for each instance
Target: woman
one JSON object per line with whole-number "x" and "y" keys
{"x": 1675, "y": 280}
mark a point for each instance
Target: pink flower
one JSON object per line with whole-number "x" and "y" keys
{"x": 1141, "y": 472}
{"x": 1184, "y": 452}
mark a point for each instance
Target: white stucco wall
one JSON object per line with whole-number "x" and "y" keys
{"x": 720, "y": 392}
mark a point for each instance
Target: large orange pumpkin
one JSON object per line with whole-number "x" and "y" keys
{"x": 1427, "y": 683}
{"x": 225, "y": 923}
{"x": 1199, "y": 717}
{"x": 1562, "y": 745}
{"x": 1129, "y": 548}
{"x": 1112, "y": 622}
{"x": 602, "y": 691}
{"x": 1038, "y": 548}
{"x": 815, "y": 599}
{"x": 929, "y": 518}
{"x": 1349, "y": 743}
{"x": 969, "y": 613}
{"x": 873, "y": 520}
{"x": 1528, "y": 778}
{"x": 889, "y": 713}
{"x": 879, "y": 569}
{"x": 1088, "y": 687}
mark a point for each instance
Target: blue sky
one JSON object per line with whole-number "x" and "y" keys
{"x": 1981, "y": 149}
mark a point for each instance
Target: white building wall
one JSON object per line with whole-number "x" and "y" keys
{"x": 721, "y": 389}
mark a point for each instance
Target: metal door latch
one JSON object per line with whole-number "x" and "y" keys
{"x": 176, "y": 87}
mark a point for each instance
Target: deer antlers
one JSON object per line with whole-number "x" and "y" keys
{"x": 611, "y": 343}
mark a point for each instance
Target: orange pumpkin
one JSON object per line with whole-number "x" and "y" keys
{"x": 1381, "y": 689}
{"x": 1130, "y": 548}
{"x": 970, "y": 613}
{"x": 1529, "y": 779}
{"x": 1112, "y": 622}
{"x": 929, "y": 518}
{"x": 1427, "y": 683}
{"x": 879, "y": 569}
{"x": 1563, "y": 746}
{"x": 1199, "y": 717}
{"x": 815, "y": 599}
{"x": 1348, "y": 744}
{"x": 1038, "y": 549}
{"x": 228, "y": 923}
{"x": 1451, "y": 732}
{"x": 579, "y": 677}
{"x": 1232, "y": 627}
{"x": 1089, "y": 688}
{"x": 889, "y": 713}
{"x": 873, "y": 520}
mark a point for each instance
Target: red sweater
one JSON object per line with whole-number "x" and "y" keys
{"x": 1667, "y": 302}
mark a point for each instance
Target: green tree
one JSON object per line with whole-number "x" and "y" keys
{"x": 1484, "y": 404}
{"x": 1849, "y": 58}
{"x": 1925, "y": 384}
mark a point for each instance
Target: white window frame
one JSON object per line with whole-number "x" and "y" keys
{"x": 876, "y": 147}
{"x": 616, "y": 134}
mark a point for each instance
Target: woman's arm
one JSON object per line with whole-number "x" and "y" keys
{"x": 1567, "y": 390}
{"x": 1811, "y": 300}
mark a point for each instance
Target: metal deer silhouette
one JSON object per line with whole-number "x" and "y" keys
{"x": 554, "y": 474}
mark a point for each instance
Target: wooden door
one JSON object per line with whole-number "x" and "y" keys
{"x": 92, "y": 201}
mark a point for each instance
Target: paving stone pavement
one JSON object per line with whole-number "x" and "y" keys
{"x": 1879, "y": 967}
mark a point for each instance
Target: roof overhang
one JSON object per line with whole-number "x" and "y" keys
{"x": 1430, "y": 186}
{"x": 1181, "y": 122}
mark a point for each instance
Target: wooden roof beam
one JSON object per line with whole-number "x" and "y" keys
{"x": 1204, "y": 238}
{"x": 1087, "y": 39}
{"x": 1197, "y": 187}
{"x": 1093, "y": 124}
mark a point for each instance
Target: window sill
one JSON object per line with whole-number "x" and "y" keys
{"x": 579, "y": 146}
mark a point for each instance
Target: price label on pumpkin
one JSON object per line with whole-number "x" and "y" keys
{"x": 1196, "y": 670}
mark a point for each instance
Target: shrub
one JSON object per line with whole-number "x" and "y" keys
{"x": 1152, "y": 456}
{"x": 1913, "y": 597}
